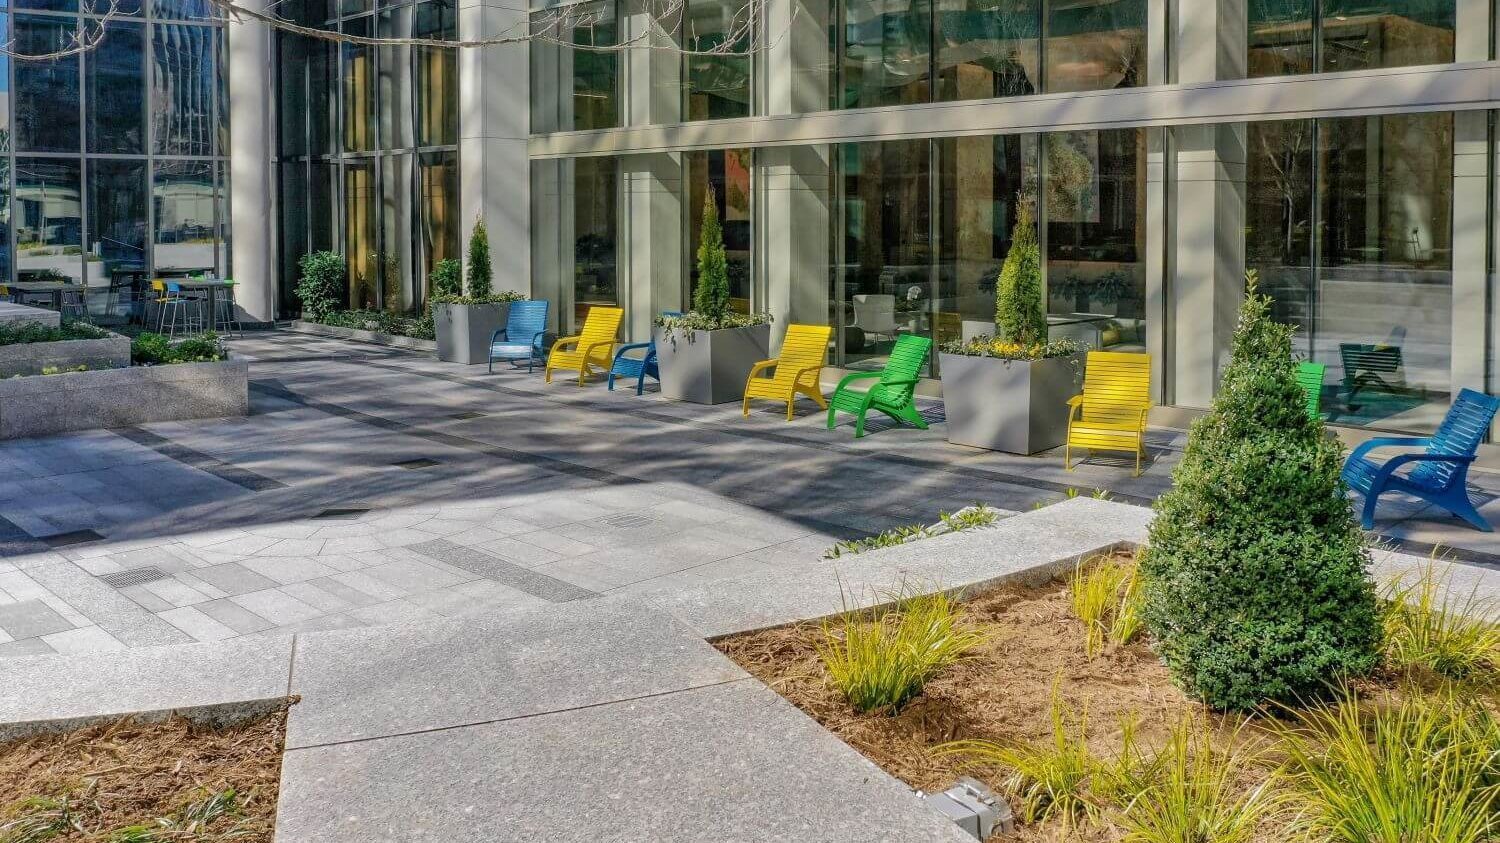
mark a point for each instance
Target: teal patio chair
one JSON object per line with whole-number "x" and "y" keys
{"x": 524, "y": 336}
{"x": 629, "y": 366}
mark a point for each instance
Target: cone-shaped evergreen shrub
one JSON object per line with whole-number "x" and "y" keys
{"x": 1019, "y": 314}
{"x": 1254, "y": 573}
{"x": 711, "y": 298}
{"x": 479, "y": 261}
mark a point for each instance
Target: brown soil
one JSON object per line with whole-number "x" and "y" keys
{"x": 123, "y": 773}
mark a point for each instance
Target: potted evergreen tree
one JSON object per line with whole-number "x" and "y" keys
{"x": 1010, "y": 391}
{"x": 465, "y": 319}
{"x": 705, "y": 354}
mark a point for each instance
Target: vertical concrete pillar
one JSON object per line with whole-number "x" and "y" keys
{"x": 494, "y": 125}
{"x": 251, "y": 175}
{"x": 1473, "y": 151}
{"x": 651, "y": 237}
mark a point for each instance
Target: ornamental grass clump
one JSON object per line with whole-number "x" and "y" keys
{"x": 882, "y": 660}
{"x": 1106, "y": 597}
{"x": 1430, "y": 627}
{"x": 1253, "y": 576}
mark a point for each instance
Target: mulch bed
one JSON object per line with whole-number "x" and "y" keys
{"x": 95, "y": 783}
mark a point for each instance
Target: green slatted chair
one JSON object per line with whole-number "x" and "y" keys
{"x": 1310, "y": 378}
{"x": 893, "y": 395}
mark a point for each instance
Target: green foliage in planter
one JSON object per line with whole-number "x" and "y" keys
{"x": 1254, "y": 576}
{"x": 692, "y": 321}
{"x": 446, "y": 280}
{"x": 321, "y": 287}
{"x": 150, "y": 349}
{"x": 479, "y": 261}
{"x": 711, "y": 298}
{"x": 19, "y": 333}
{"x": 1007, "y": 350}
{"x": 382, "y": 322}
{"x": 1020, "y": 314}
{"x": 493, "y": 298}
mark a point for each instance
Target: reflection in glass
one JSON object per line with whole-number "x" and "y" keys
{"x": 292, "y": 93}
{"x": 394, "y": 260}
{"x": 359, "y": 90}
{"x": 47, "y": 5}
{"x": 182, "y": 96}
{"x": 1281, "y": 36}
{"x": 438, "y": 175}
{"x": 884, "y": 284}
{"x": 727, "y": 174}
{"x": 1095, "y": 207}
{"x": 988, "y": 48}
{"x": 576, "y": 88}
{"x": 595, "y": 230}
{"x": 294, "y": 207}
{"x": 437, "y": 76}
{"x": 361, "y": 232}
{"x": 1279, "y": 219}
{"x": 117, "y": 90}
{"x": 1095, "y": 45}
{"x": 185, "y": 9}
{"x": 886, "y": 53}
{"x": 981, "y": 182}
{"x": 395, "y": 91}
{"x": 5, "y": 139}
{"x": 46, "y": 97}
{"x": 117, "y": 219}
{"x": 322, "y": 98}
{"x": 49, "y": 219}
{"x": 5, "y": 254}
{"x": 717, "y": 86}
{"x": 182, "y": 199}
{"x": 1361, "y": 34}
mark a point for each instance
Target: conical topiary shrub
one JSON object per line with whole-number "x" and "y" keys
{"x": 711, "y": 297}
{"x": 479, "y": 261}
{"x": 1255, "y": 581}
{"x": 1019, "y": 314}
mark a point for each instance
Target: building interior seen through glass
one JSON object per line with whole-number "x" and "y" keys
{"x": 582, "y": 85}
{"x": 595, "y": 234}
{"x": 363, "y": 131}
{"x": 1305, "y": 36}
{"x": 117, "y": 155}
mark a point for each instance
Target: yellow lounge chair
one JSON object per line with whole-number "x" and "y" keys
{"x": 803, "y": 353}
{"x": 1110, "y": 415}
{"x": 595, "y": 346}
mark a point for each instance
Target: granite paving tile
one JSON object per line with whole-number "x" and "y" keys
{"x": 31, "y": 619}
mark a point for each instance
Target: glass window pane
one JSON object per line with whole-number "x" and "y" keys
{"x": 46, "y": 100}
{"x": 5, "y": 255}
{"x": 322, "y": 104}
{"x": 394, "y": 93}
{"x": 1095, "y": 45}
{"x": 361, "y": 231}
{"x": 117, "y": 220}
{"x": 438, "y": 175}
{"x": 1279, "y": 220}
{"x": 727, "y": 174}
{"x": 1281, "y": 36}
{"x": 988, "y": 48}
{"x": 182, "y": 89}
{"x": 575, "y": 88}
{"x": 1095, "y": 207}
{"x": 49, "y": 219}
{"x": 182, "y": 196}
{"x": 359, "y": 90}
{"x": 292, "y": 94}
{"x": 117, "y": 90}
{"x": 717, "y": 86}
{"x": 594, "y": 233}
{"x": 1359, "y": 34}
{"x": 292, "y": 232}
{"x": 394, "y": 259}
{"x": 437, "y": 76}
{"x": 886, "y": 276}
{"x": 886, "y": 53}
{"x": 184, "y": 9}
{"x": 5, "y": 98}
{"x": 221, "y": 95}
{"x": 48, "y": 5}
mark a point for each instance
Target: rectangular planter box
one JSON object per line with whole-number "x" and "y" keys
{"x": 1009, "y": 405}
{"x": 47, "y": 404}
{"x": 112, "y": 352}
{"x": 464, "y": 330}
{"x": 12, "y": 312}
{"x": 363, "y": 336}
{"x": 710, "y": 367}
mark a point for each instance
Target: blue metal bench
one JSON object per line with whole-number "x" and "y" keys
{"x": 640, "y": 368}
{"x": 1442, "y": 467}
{"x": 524, "y": 336}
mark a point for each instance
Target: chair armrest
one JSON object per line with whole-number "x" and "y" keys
{"x": 589, "y": 349}
{"x": 495, "y": 337}
{"x": 903, "y": 381}
{"x": 1075, "y": 401}
{"x": 1388, "y": 442}
{"x": 806, "y": 370}
{"x": 620, "y": 352}
{"x": 762, "y": 366}
{"x": 1389, "y": 467}
{"x": 562, "y": 341}
{"x": 538, "y": 339}
{"x": 848, "y": 379}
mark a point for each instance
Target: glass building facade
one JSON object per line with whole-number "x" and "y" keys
{"x": 114, "y": 160}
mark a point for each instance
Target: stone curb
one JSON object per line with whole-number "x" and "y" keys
{"x": 374, "y": 337}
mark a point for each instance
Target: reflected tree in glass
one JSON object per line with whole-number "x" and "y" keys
{"x": 988, "y": 48}
{"x": 1095, "y": 44}
{"x": 1280, "y": 37}
{"x": 886, "y": 53}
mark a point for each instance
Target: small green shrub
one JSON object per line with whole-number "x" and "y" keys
{"x": 20, "y": 333}
{"x": 321, "y": 288}
{"x": 1106, "y": 597}
{"x": 383, "y": 322}
{"x": 446, "y": 279}
{"x": 1020, "y": 314}
{"x": 150, "y": 349}
{"x": 883, "y": 659}
{"x": 479, "y": 262}
{"x": 1423, "y": 770}
{"x": 967, "y": 518}
{"x": 711, "y": 298}
{"x": 1429, "y": 627}
{"x": 1253, "y": 577}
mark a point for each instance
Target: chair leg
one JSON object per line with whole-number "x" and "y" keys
{"x": 745, "y": 407}
{"x": 912, "y": 414}
{"x": 859, "y": 424}
{"x": 831, "y": 417}
{"x": 1068, "y": 457}
{"x": 640, "y": 384}
{"x": 611, "y": 381}
{"x": 1459, "y": 504}
{"x": 547, "y": 378}
{"x": 1367, "y": 515}
{"x": 791, "y": 406}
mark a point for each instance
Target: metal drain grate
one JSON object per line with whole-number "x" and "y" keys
{"x": 416, "y": 464}
{"x": 75, "y": 537}
{"x": 628, "y": 520}
{"x": 350, "y": 514}
{"x": 134, "y": 576}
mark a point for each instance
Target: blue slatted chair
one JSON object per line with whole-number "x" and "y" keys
{"x": 523, "y": 337}
{"x": 640, "y": 368}
{"x": 1442, "y": 468}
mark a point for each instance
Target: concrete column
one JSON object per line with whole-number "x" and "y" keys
{"x": 551, "y": 252}
{"x": 251, "y": 175}
{"x": 798, "y": 69}
{"x": 653, "y": 77}
{"x": 494, "y": 123}
{"x": 1471, "y": 163}
{"x": 651, "y": 239}
{"x": 1159, "y": 255}
{"x": 1473, "y": 25}
{"x": 794, "y": 235}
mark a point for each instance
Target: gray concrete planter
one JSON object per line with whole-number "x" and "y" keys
{"x": 710, "y": 367}
{"x": 47, "y": 404}
{"x": 464, "y": 330}
{"x": 1009, "y": 405}
{"x": 32, "y": 358}
{"x": 10, "y": 312}
{"x": 302, "y": 326}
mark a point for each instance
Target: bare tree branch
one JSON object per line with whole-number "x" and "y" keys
{"x": 89, "y": 35}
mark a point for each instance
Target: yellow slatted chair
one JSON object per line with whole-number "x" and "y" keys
{"x": 1110, "y": 415}
{"x": 803, "y": 353}
{"x": 594, "y": 346}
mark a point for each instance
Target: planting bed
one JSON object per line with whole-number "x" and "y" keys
{"x": 126, "y": 781}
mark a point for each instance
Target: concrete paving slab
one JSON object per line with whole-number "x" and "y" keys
{"x": 440, "y": 674}
{"x": 727, "y": 763}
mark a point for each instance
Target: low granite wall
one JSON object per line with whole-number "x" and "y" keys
{"x": 12, "y": 312}
{"x": 375, "y": 337}
{"x": 48, "y": 404}
{"x": 31, "y": 358}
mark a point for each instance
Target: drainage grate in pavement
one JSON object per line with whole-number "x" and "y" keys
{"x": 416, "y": 464}
{"x": 75, "y": 537}
{"x": 351, "y": 514}
{"x": 628, "y": 520}
{"x": 134, "y": 576}
{"x": 472, "y": 414}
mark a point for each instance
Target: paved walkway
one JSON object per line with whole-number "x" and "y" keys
{"x": 371, "y": 486}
